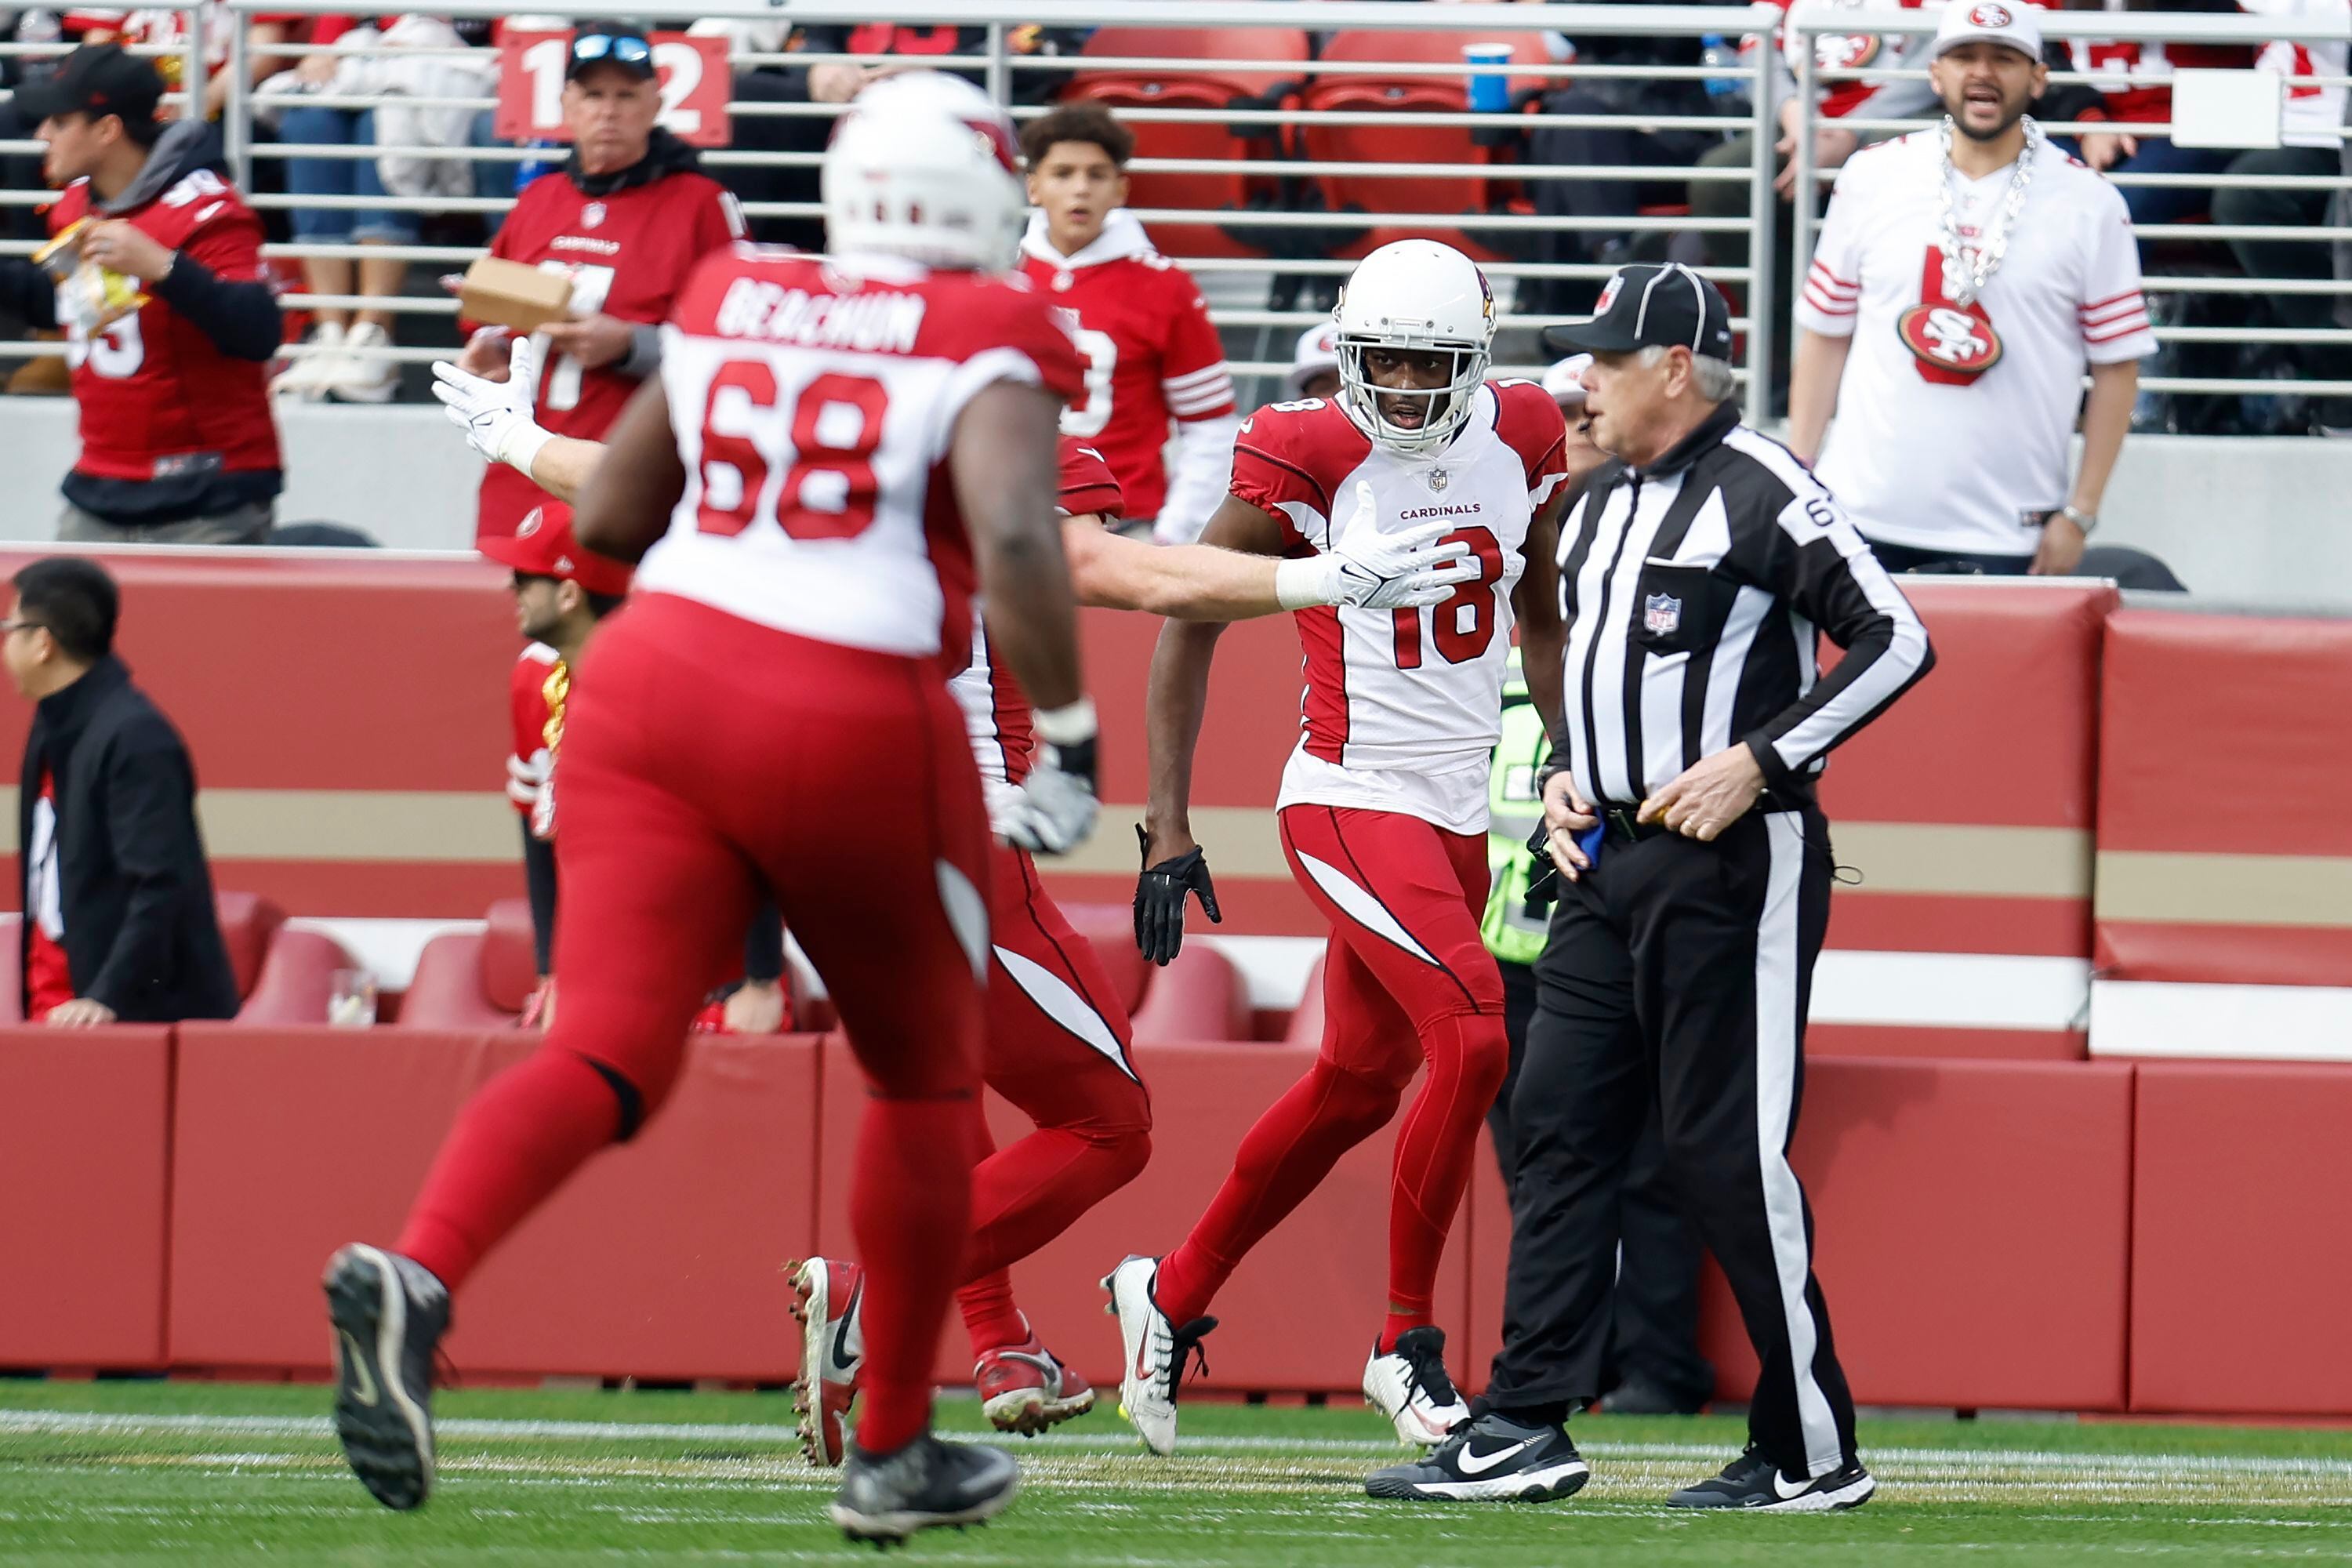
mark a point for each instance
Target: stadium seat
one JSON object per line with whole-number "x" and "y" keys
{"x": 298, "y": 979}
{"x": 473, "y": 980}
{"x": 1208, "y": 85}
{"x": 1199, "y": 997}
{"x": 247, "y": 923}
{"x": 1334, "y": 146}
{"x": 1306, "y": 1022}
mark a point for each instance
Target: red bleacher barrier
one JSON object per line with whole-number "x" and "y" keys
{"x": 1973, "y": 1224}
{"x": 2225, "y": 853}
{"x": 2241, "y": 1198}
{"x": 1299, "y": 1314}
{"x": 661, "y": 1260}
{"x": 347, "y": 718}
{"x": 85, "y": 1140}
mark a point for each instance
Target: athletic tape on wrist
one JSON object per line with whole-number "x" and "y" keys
{"x": 1067, "y": 726}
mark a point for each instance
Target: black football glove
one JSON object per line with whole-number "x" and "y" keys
{"x": 1159, "y": 899}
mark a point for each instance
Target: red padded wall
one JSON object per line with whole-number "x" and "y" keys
{"x": 84, "y": 1145}
{"x": 660, "y": 1261}
{"x": 2241, "y": 1200}
{"x": 1300, "y": 1312}
{"x": 1972, "y": 1226}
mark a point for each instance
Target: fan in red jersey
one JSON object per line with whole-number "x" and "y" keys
{"x": 1383, "y": 806}
{"x": 156, "y": 276}
{"x": 625, "y": 218}
{"x": 1151, "y": 353}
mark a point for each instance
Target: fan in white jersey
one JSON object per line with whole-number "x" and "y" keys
{"x": 1965, "y": 278}
{"x": 1384, "y": 804}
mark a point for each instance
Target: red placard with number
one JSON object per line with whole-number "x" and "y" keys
{"x": 695, "y": 82}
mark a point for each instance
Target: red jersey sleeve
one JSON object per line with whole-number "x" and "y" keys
{"x": 718, "y": 222}
{"x": 1088, "y": 488}
{"x": 1194, "y": 376}
{"x": 227, "y": 239}
{"x": 1531, "y": 424}
{"x": 1283, "y": 464}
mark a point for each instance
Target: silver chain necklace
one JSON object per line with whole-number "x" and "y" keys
{"x": 1967, "y": 269}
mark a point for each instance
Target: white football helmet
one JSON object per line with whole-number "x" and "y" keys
{"x": 1421, "y": 295}
{"x": 924, "y": 165}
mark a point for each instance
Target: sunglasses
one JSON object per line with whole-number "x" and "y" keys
{"x": 627, "y": 49}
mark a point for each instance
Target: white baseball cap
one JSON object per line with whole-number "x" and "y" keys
{"x": 2005, "y": 21}
{"x": 1564, "y": 381}
{"x": 1317, "y": 352}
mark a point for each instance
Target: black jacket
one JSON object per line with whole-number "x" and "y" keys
{"x": 142, "y": 934}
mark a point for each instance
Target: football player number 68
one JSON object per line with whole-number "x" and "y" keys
{"x": 830, "y": 489}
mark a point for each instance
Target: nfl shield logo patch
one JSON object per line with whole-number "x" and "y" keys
{"x": 1661, "y": 614}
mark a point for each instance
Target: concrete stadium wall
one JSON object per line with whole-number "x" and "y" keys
{"x": 2240, "y": 519}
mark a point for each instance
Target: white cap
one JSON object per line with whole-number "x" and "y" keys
{"x": 1564, "y": 381}
{"x": 2007, "y": 22}
{"x": 1317, "y": 352}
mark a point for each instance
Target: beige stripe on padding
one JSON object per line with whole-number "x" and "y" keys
{"x": 467, "y": 825}
{"x": 2225, "y": 889}
{"x": 1966, "y": 859}
{"x": 1241, "y": 841}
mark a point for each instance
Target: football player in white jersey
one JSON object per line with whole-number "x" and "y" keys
{"x": 838, "y": 447}
{"x": 1383, "y": 803}
{"x": 1059, "y": 1039}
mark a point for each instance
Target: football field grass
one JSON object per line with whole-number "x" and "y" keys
{"x": 179, "y": 1473}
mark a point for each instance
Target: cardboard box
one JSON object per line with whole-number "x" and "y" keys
{"x": 500, "y": 293}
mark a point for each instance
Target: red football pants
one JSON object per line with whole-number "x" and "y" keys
{"x": 702, "y": 756}
{"x": 1059, "y": 1047}
{"x": 1406, "y": 980}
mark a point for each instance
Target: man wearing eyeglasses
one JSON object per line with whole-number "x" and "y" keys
{"x": 627, "y": 218}
{"x": 119, "y": 921}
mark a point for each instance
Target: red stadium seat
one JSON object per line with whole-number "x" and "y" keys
{"x": 1208, "y": 85}
{"x": 1198, "y": 997}
{"x": 298, "y": 979}
{"x": 248, "y": 922}
{"x": 473, "y": 980}
{"x": 1307, "y": 1022}
{"x": 1111, "y": 927}
{"x": 1334, "y": 146}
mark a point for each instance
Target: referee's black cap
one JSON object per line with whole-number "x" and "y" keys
{"x": 1648, "y": 306}
{"x": 95, "y": 79}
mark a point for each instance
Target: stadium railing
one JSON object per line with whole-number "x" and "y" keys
{"x": 1295, "y": 236}
{"x": 1809, "y": 21}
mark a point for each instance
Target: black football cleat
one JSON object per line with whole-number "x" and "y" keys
{"x": 1489, "y": 1458}
{"x": 389, "y": 1312}
{"x": 885, "y": 1499}
{"x": 1754, "y": 1482}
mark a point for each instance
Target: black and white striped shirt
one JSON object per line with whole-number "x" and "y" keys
{"x": 1692, "y": 590}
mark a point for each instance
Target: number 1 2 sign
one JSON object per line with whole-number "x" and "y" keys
{"x": 692, "y": 71}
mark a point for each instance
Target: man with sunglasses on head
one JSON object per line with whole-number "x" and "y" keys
{"x": 627, "y": 218}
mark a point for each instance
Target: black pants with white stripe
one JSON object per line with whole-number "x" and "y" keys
{"x": 1676, "y": 975}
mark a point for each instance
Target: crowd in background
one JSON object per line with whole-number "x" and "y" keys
{"x": 368, "y": 62}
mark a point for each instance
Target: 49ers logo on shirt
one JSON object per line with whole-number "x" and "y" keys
{"x": 1947, "y": 337}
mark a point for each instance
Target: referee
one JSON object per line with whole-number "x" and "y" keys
{"x": 1696, "y": 569}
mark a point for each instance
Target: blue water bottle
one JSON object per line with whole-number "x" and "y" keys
{"x": 532, "y": 168}
{"x": 1727, "y": 94}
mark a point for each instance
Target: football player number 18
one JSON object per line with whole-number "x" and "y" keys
{"x": 830, "y": 489}
{"x": 1462, "y": 625}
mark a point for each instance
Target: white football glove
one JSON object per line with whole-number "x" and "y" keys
{"x": 1053, "y": 809}
{"x": 1375, "y": 570}
{"x": 499, "y": 418}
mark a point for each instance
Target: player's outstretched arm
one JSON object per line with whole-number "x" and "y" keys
{"x": 626, "y": 504}
{"x": 1236, "y": 582}
{"x": 500, "y": 420}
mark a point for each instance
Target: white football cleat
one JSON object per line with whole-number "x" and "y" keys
{"x": 1156, "y": 1350}
{"x": 1408, "y": 1385}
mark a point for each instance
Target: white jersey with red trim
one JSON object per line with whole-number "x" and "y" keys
{"x": 813, "y": 400}
{"x": 1948, "y": 437}
{"x": 2313, "y": 114}
{"x": 996, "y": 711}
{"x": 1402, "y": 708}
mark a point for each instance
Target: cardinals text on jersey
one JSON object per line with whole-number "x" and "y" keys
{"x": 1404, "y": 707}
{"x": 628, "y": 254}
{"x": 813, "y": 402}
{"x": 2067, "y": 294}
